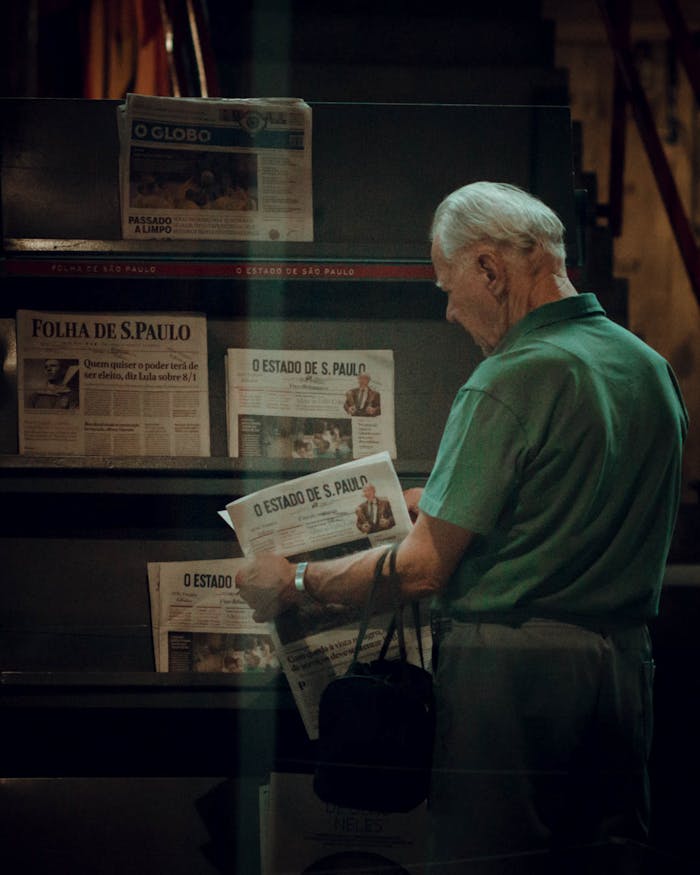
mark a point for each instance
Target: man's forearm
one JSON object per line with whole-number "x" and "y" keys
{"x": 345, "y": 580}
{"x": 425, "y": 560}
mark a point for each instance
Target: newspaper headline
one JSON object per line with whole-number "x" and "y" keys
{"x": 300, "y": 833}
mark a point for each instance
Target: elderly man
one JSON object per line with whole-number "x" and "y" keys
{"x": 374, "y": 514}
{"x": 542, "y": 534}
{"x": 363, "y": 401}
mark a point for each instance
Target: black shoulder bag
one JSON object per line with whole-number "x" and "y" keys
{"x": 377, "y": 722}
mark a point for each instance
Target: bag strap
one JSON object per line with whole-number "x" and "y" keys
{"x": 396, "y": 624}
{"x": 395, "y": 586}
{"x": 378, "y": 570}
{"x": 419, "y": 637}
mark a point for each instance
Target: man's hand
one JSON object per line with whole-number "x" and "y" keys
{"x": 412, "y": 497}
{"x": 266, "y": 583}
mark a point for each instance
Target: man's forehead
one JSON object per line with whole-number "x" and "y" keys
{"x": 436, "y": 253}
{"x": 440, "y": 261}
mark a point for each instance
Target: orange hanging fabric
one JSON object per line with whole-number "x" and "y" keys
{"x": 126, "y": 50}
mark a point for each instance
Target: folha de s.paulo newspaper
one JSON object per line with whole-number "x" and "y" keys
{"x": 215, "y": 169}
{"x": 112, "y": 384}
{"x": 340, "y": 510}
{"x": 200, "y": 623}
{"x": 308, "y": 404}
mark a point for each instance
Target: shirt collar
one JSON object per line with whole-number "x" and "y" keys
{"x": 584, "y": 304}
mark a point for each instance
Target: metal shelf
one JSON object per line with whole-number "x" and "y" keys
{"x": 166, "y": 475}
{"x": 203, "y": 259}
{"x": 152, "y": 690}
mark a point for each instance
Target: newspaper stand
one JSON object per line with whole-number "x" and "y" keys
{"x": 79, "y": 695}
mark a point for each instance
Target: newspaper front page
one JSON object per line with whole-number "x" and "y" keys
{"x": 300, "y": 833}
{"x": 112, "y": 384}
{"x": 200, "y": 622}
{"x": 215, "y": 169}
{"x": 341, "y": 510}
{"x": 308, "y": 404}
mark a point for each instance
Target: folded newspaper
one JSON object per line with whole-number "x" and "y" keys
{"x": 112, "y": 384}
{"x": 201, "y": 624}
{"x": 301, "y": 834}
{"x": 340, "y": 510}
{"x": 215, "y": 169}
{"x": 309, "y": 404}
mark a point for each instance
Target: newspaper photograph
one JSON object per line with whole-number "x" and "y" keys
{"x": 215, "y": 169}
{"x": 112, "y": 384}
{"x": 201, "y": 624}
{"x": 309, "y": 404}
{"x": 341, "y": 510}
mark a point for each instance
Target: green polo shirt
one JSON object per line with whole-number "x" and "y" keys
{"x": 562, "y": 454}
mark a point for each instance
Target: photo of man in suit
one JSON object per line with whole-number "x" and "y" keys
{"x": 363, "y": 401}
{"x": 374, "y": 514}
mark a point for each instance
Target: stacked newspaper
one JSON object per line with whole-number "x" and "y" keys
{"x": 310, "y": 404}
{"x": 112, "y": 384}
{"x": 201, "y": 624}
{"x": 215, "y": 169}
{"x": 299, "y": 833}
{"x": 340, "y": 510}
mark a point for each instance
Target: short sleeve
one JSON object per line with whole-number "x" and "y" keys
{"x": 478, "y": 462}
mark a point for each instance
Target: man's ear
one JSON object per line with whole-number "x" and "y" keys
{"x": 493, "y": 271}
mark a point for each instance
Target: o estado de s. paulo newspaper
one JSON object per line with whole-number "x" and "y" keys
{"x": 200, "y": 623}
{"x": 340, "y": 510}
{"x": 310, "y": 404}
{"x": 215, "y": 169}
{"x": 112, "y": 384}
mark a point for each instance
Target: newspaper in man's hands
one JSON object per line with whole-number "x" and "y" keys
{"x": 340, "y": 510}
{"x": 215, "y": 169}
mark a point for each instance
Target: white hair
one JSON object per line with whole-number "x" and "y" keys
{"x": 498, "y": 212}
